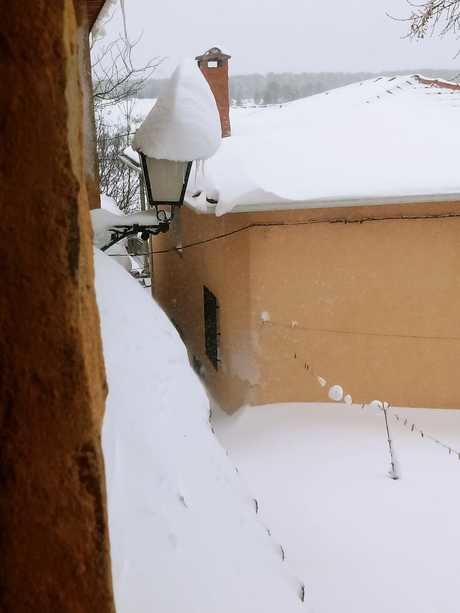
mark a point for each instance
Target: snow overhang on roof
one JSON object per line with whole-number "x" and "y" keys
{"x": 382, "y": 141}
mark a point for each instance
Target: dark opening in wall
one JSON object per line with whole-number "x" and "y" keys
{"x": 211, "y": 326}
{"x": 178, "y": 328}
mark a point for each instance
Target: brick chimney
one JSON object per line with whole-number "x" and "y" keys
{"x": 214, "y": 66}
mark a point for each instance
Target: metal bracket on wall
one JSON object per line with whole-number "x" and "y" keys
{"x": 120, "y": 232}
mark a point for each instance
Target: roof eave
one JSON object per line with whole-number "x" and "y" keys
{"x": 94, "y": 7}
{"x": 321, "y": 203}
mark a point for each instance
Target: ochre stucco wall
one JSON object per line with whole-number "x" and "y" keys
{"x": 377, "y": 287}
{"x": 54, "y": 549}
{"x": 223, "y": 268}
{"x": 380, "y": 301}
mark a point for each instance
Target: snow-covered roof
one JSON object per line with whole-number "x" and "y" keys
{"x": 375, "y": 142}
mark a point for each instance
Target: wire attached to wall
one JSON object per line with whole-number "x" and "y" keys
{"x": 337, "y": 394}
{"x": 339, "y": 220}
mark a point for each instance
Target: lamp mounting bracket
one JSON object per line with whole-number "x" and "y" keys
{"x": 119, "y": 232}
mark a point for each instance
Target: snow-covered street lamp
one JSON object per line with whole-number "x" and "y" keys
{"x": 165, "y": 180}
{"x": 183, "y": 126}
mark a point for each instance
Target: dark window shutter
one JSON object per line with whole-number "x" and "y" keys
{"x": 211, "y": 331}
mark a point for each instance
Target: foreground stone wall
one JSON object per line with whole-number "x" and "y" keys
{"x": 54, "y": 550}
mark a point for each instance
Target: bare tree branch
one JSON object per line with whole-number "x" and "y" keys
{"x": 115, "y": 77}
{"x": 116, "y": 82}
{"x": 432, "y": 17}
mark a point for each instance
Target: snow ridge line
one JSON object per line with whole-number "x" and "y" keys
{"x": 336, "y": 393}
{"x": 302, "y": 589}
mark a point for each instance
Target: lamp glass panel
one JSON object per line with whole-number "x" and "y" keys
{"x": 166, "y": 179}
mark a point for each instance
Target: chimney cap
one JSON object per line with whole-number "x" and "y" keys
{"x": 213, "y": 54}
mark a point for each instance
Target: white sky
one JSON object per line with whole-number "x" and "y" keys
{"x": 283, "y": 35}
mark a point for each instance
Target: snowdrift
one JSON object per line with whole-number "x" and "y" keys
{"x": 184, "y": 532}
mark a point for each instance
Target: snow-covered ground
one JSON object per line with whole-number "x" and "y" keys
{"x": 190, "y": 533}
{"x": 365, "y": 543}
{"x": 185, "y": 535}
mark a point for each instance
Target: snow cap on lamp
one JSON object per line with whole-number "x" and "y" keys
{"x": 184, "y": 124}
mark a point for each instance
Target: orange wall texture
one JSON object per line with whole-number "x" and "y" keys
{"x": 54, "y": 542}
{"x": 374, "y": 298}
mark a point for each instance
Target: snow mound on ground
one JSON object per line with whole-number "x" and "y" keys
{"x": 368, "y": 544}
{"x": 184, "y": 124}
{"x": 184, "y": 533}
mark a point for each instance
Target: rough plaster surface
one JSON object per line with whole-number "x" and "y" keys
{"x": 54, "y": 553}
{"x": 374, "y": 292}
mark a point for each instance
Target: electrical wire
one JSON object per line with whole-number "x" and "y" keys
{"x": 297, "y": 223}
{"x": 362, "y": 332}
{"x": 310, "y": 370}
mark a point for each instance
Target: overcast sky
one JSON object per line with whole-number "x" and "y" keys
{"x": 283, "y": 35}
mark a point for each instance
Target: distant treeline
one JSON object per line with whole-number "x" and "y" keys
{"x": 273, "y": 88}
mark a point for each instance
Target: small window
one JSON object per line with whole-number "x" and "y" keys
{"x": 213, "y": 64}
{"x": 211, "y": 326}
